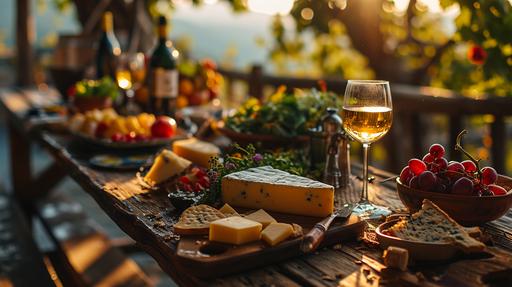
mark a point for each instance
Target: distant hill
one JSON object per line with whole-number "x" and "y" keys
{"x": 212, "y": 28}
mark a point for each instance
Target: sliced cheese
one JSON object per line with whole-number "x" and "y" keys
{"x": 235, "y": 230}
{"x": 262, "y": 217}
{"x": 275, "y": 233}
{"x": 276, "y": 190}
{"x": 167, "y": 164}
{"x": 228, "y": 210}
{"x": 198, "y": 152}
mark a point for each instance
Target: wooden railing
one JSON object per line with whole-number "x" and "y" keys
{"x": 413, "y": 108}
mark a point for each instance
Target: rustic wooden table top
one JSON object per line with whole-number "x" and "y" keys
{"x": 148, "y": 218}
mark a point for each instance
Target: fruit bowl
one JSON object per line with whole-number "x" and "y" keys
{"x": 466, "y": 210}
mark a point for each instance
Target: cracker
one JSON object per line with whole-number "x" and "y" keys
{"x": 196, "y": 220}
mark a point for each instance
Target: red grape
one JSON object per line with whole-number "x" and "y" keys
{"x": 436, "y": 150}
{"x": 428, "y": 158}
{"x": 489, "y": 175}
{"x": 413, "y": 183}
{"x": 427, "y": 180}
{"x": 439, "y": 187}
{"x": 496, "y": 189}
{"x": 439, "y": 164}
{"x": 406, "y": 175}
{"x": 417, "y": 166}
{"x": 455, "y": 166}
{"x": 463, "y": 186}
{"x": 185, "y": 180}
{"x": 469, "y": 166}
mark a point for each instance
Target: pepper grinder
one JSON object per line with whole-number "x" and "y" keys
{"x": 337, "y": 164}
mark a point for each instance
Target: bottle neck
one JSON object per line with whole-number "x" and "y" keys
{"x": 107, "y": 24}
{"x": 162, "y": 33}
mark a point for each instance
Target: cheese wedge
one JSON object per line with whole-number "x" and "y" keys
{"x": 227, "y": 210}
{"x": 432, "y": 224}
{"x": 198, "y": 152}
{"x": 396, "y": 257}
{"x": 262, "y": 217}
{"x": 235, "y": 230}
{"x": 275, "y": 233}
{"x": 276, "y": 190}
{"x": 167, "y": 164}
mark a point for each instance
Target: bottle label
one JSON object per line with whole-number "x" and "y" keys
{"x": 165, "y": 83}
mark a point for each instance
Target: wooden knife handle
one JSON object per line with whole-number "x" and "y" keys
{"x": 312, "y": 239}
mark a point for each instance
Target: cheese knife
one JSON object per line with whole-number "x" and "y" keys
{"x": 314, "y": 237}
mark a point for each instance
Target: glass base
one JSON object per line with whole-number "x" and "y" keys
{"x": 366, "y": 210}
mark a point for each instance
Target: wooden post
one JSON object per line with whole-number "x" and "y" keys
{"x": 498, "y": 134}
{"x": 256, "y": 82}
{"x": 24, "y": 39}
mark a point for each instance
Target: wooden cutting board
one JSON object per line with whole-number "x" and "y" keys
{"x": 212, "y": 259}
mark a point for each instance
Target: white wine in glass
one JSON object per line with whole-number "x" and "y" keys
{"x": 367, "y": 116}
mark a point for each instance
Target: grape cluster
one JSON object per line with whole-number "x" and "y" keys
{"x": 434, "y": 173}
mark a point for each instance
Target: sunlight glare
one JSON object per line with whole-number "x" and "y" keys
{"x": 282, "y": 7}
{"x": 401, "y": 5}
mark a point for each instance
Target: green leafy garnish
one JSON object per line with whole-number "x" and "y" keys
{"x": 104, "y": 87}
{"x": 284, "y": 115}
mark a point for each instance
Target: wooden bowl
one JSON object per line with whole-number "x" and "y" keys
{"x": 466, "y": 210}
{"x": 267, "y": 141}
{"x": 421, "y": 251}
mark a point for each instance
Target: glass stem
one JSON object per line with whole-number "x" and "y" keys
{"x": 364, "y": 194}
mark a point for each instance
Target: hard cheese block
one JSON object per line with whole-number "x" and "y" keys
{"x": 275, "y": 233}
{"x": 198, "y": 152}
{"x": 227, "y": 210}
{"x": 167, "y": 164}
{"x": 235, "y": 230}
{"x": 276, "y": 190}
{"x": 261, "y": 216}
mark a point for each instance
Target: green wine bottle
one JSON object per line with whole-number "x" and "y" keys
{"x": 109, "y": 50}
{"x": 163, "y": 74}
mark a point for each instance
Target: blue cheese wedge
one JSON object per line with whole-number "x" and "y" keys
{"x": 276, "y": 190}
{"x": 431, "y": 224}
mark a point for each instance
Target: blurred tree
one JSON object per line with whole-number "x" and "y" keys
{"x": 465, "y": 46}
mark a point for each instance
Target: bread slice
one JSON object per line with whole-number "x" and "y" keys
{"x": 195, "y": 220}
{"x": 432, "y": 224}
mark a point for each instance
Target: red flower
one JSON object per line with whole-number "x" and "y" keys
{"x": 477, "y": 55}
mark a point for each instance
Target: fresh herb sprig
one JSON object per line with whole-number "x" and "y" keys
{"x": 246, "y": 157}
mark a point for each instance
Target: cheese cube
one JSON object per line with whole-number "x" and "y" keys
{"x": 276, "y": 190}
{"x": 235, "y": 230}
{"x": 198, "y": 152}
{"x": 226, "y": 209}
{"x": 167, "y": 164}
{"x": 276, "y": 233}
{"x": 396, "y": 257}
{"x": 261, "y": 216}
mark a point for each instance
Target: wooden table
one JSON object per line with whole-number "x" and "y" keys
{"x": 148, "y": 218}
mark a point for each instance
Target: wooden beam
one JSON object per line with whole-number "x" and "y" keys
{"x": 24, "y": 39}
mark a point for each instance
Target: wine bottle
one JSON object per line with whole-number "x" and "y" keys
{"x": 108, "y": 49}
{"x": 163, "y": 74}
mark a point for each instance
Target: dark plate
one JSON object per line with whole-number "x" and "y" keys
{"x": 128, "y": 162}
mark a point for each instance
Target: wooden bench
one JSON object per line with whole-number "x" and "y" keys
{"x": 90, "y": 259}
{"x": 21, "y": 263}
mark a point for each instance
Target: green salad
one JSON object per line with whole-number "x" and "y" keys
{"x": 284, "y": 115}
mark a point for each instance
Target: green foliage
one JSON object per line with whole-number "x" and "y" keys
{"x": 105, "y": 88}
{"x": 284, "y": 115}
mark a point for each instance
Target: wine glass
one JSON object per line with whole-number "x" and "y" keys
{"x": 129, "y": 77}
{"x": 367, "y": 116}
